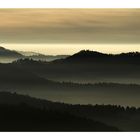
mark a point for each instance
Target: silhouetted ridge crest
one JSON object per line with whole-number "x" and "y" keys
{"x": 94, "y": 56}
{"x": 2, "y": 48}
{"x": 9, "y": 53}
{"x": 87, "y": 54}
{"x": 130, "y": 54}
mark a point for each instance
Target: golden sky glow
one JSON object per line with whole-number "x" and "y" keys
{"x": 34, "y": 29}
{"x": 57, "y": 49}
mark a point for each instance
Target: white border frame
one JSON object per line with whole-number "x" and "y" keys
{"x": 69, "y": 3}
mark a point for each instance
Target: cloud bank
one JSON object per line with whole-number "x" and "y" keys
{"x": 70, "y": 26}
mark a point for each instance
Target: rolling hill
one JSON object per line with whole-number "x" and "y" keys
{"x": 89, "y": 67}
{"x": 32, "y": 114}
{"x": 9, "y": 53}
{"x": 7, "y": 56}
{"x": 24, "y": 117}
{"x": 23, "y": 81}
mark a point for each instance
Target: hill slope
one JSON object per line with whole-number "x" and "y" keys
{"x": 28, "y": 118}
{"x": 90, "y": 67}
{"x": 126, "y": 119}
{"x": 14, "y": 78}
{"x": 7, "y": 55}
{"x": 88, "y": 56}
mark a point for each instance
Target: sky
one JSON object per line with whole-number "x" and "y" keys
{"x": 64, "y": 31}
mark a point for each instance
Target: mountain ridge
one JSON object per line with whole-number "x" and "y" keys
{"x": 93, "y": 56}
{"x": 9, "y": 53}
{"x": 8, "y": 56}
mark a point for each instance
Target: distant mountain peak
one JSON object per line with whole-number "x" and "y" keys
{"x": 89, "y": 53}
{"x": 7, "y": 55}
{"x": 2, "y": 48}
{"x": 86, "y": 54}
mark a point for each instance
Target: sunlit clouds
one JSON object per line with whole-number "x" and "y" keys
{"x": 75, "y": 28}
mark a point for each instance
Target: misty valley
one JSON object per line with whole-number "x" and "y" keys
{"x": 86, "y": 91}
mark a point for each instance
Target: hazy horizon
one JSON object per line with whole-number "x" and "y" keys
{"x": 66, "y": 31}
{"x": 69, "y": 49}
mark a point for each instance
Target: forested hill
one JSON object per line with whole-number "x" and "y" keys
{"x": 18, "y": 113}
{"x": 88, "y": 67}
{"x": 87, "y": 56}
{"x": 125, "y": 119}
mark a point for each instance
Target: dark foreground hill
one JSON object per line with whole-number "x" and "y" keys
{"x": 20, "y": 111}
{"x": 20, "y": 116}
